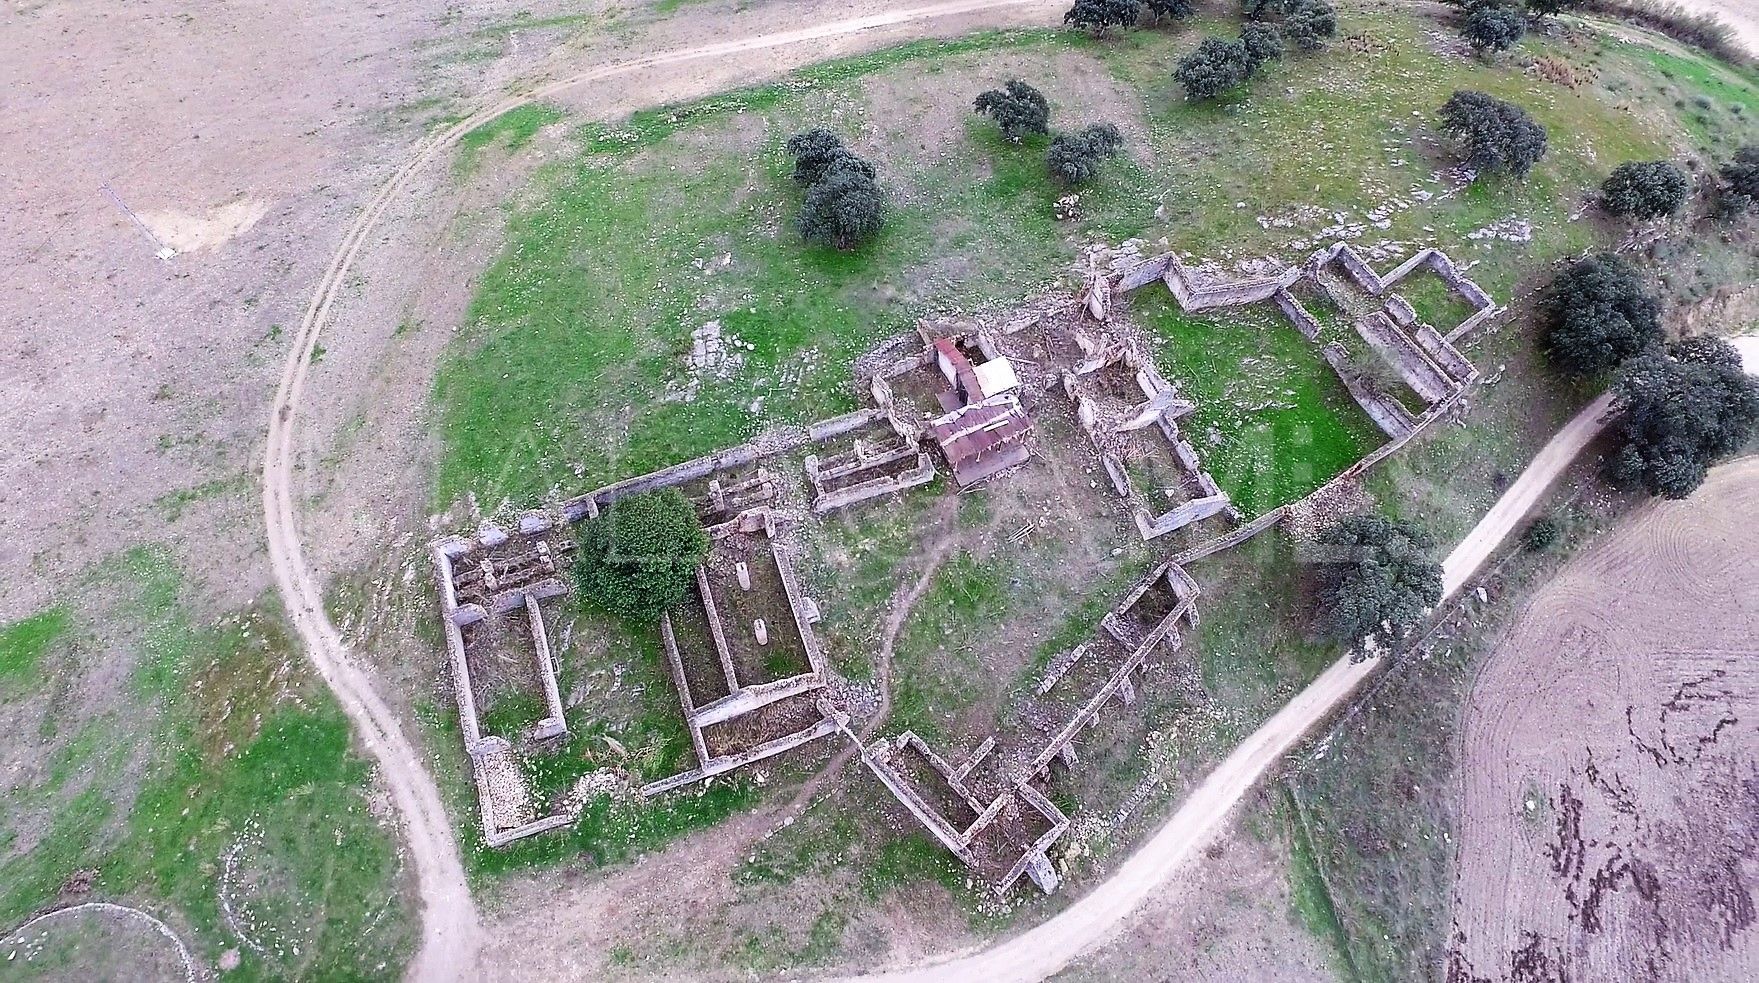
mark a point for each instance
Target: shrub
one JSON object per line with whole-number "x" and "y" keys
{"x": 1740, "y": 178}
{"x": 1074, "y": 158}
{"x": 843, "y": 210}
{"x": 639, "y": 557}
{"x": 1383, "y": 583}
{"x": 1263, "y": 44}
{"x": 1490, "y": 26}
{"x": 1684, "y": 410}
{"x": 1499, "y": 136}
{"x": 1217, "y": 65}
{"x": 819, "y": 152}
{"x": 1645, "y": 189}
{"x": 1169, "y": 9}
{"x": 1542, "y": 534}
{"x": 1309, "y": 23}
{"x": 1550, "y": 8}
{"x": 1098, "y": 15}
{"x": 1260, "y": 9}
{"x": 1596, "y": 314}
{"x": 1017, "y": 108}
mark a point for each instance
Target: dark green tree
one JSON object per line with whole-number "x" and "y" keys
{"x": 1645, "y": 189}
{"x": 1018, "y": 108}
{"x": 638, "y": 559}
{"x": 1262, "y": 43}
{"x": 1161, "y": 10}
{"x": 844, "y": 209}
{"x": 1551, "y": 8}
{"x": 1492, "y": 26}
{"x": 1260, "y": 9}
{"x": 1074, "y": 158}
{"x": 1740, "y": 176}
{"x": 1096, "y": 16}
{"x": 1309, "y": 23}
{"x": 1596, "y": 314}
{"x": 1380, "y": 583}
{"x": 818, "y": 152}
{"x": 1499, "y": 136}
{"x": 1217, "y": 65}
{"x": 1683, "y": 410}
{"x": 1542, "y": 534}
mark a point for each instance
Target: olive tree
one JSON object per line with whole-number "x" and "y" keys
{"x": 1498, "y": 136}
{"x": 1596, "y": 314}
{"x": 1096, "y": 16}
{"x": 1683, "y": 410}
{"x": 1379, "y": 581}
{"x": 1018, "y": 108}
{"x": 1074, "y": 158}
{"x": 1217, "y": 65}
{"x": 1309, "y": 23}
{"x": 638, "y": 559}
{"x": 1491, "y": 26}
{"x": 1645, "y": 189}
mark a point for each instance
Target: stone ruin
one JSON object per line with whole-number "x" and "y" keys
{"x": 743, "y": 653}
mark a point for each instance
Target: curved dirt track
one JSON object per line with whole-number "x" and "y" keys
{"x": 451, "y": 933}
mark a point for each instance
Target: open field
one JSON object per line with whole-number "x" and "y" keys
{"x": 208, "y": 779}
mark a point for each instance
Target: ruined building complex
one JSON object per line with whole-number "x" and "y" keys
{"x": 743, "y": 651}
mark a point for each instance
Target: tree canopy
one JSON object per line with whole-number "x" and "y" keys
{"x": 1217, "y": 65}
{"x": 1596, "y": 314}
{"x": 1309, "y": 23}
{"x": 1169, "y": 9}
{"x": 817, "y": 152}
{"x": 638, "y": 559}
{"x": 1260, "y": 9}
{"x": 1018, "y": 108}
{"x": 1381, "y": 582}
{"x": 1074, "y": 158}
{"x": 843, "y": 206}
{"x": 1493, "y": 26}
{"x": 1263, "y": 44}
{"x": 1099, "y": 15}
{"x": 1551, "y": 8}
{"x": 1740, "y": 176}
{"x": 1645, "y": 189}
{"x": 843, "y": 210}
{"x": 1499, "y": 136}
{"x": 1683, "y": 410}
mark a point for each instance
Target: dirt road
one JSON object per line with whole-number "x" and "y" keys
{"x": 1045, "y": 950}
{"x": 451, "y": 934}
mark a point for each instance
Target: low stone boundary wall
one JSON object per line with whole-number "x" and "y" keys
{"x": 1388, "y": 414}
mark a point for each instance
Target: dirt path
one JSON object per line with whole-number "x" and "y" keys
{"x": 451, "y": 932}
{"x": 1045, "y": 950}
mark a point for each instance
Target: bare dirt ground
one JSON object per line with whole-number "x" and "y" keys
{"x": 1226, "y": 916}
{"x": 1610, "y": 794}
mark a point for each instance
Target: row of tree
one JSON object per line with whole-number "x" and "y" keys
{"x": 1684, "y": 406}
{"x": 1220, "y": 64}
{"x": 1022, "y": 111}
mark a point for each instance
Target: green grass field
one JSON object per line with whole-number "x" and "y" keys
{"x": 216, "y": 745}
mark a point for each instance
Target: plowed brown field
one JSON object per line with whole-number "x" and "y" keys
{"x": 1610, "y": 811}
